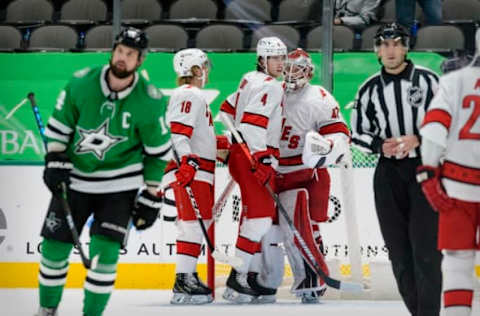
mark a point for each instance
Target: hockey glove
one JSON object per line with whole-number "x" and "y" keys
{"x": 263, "y": 167}
{"x": 186, "y": 172}
{"x": 429, "y": 178}
{"x": 146, "y": 209}
{"x": 57, "y": 171}
{"x": 223, "y": 148}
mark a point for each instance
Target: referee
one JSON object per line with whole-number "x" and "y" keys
{"x": 389, "y": 109}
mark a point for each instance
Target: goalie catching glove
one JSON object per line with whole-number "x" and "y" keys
{"x": 146, "y": 209}
{"x": 320, "y": 151}
{"x": 57, "y": 171}
{"x": 429, "y": 178}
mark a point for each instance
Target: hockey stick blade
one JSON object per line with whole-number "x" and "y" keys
{"x": 235, "y": 262}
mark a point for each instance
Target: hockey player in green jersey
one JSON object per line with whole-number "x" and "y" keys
{"x": 107, "y": 138}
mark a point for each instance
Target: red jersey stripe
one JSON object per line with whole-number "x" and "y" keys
{"x": 255, "y": 119}
{"x": 227, "y": 108}
{"x": 337, "y": 127}
{"x": 454, "y": 171}
{"x": 290, "y": 161}
{"x": 438, "y": 116}
{"x": 180, "y": 128}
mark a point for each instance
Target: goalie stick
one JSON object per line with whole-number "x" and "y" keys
{"x": 216, "y": 254}
{"x": 89, "y": 264}
{"x": 337, "y": 284}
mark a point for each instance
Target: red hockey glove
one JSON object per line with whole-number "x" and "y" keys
{"x": 429, "y": 178}
{"x": 263, "y": 167}
{"x": 186, "y": 172}
{"x": 223, "y": 148}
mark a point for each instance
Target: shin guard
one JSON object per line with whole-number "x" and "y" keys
{"x": 99, "y": 283}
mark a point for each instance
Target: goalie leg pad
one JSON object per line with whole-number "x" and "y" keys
{"x": 99, "y": 283}
{"x": 318, "y": 195}
{"x": 303, "y": 224}
{"x": 457, "y": 268}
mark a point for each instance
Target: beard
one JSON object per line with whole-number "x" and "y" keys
{"x": 121, "y": 73}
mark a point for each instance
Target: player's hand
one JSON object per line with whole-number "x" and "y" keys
{"x": 429, "y": 178}
{"x": 57, "y": 171}
{"x": 186, "y": 172}
{"x": 146, "y": 209}
{"x": 263, "y": 170}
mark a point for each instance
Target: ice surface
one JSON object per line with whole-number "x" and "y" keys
{"x": 24, "y": 302}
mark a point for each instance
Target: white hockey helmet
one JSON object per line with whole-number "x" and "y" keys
{"x": 184, "y": 60}
{"x": 298, "y": 69}
{"x": 271, "y": 46}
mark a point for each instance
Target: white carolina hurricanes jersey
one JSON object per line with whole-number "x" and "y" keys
{"x": 191, "y": 125}
{"x": 310, "y": 108}
{"x": 256, "y": 108}
{"x": 453, "y": 122}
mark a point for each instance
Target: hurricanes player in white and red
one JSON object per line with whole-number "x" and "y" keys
{"x": 314, "y": 136}
{"x": 193, "y": 138}
{"x": 256, "y": 110}
{"x": 450, "y": 178}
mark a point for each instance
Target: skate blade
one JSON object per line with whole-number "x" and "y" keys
{"x": 264, "y": 299}
{"x": 237, "y": 298}
{"x": 186, "y": 299}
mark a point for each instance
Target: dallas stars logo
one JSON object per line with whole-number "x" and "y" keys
{"x": 97, "y": 141}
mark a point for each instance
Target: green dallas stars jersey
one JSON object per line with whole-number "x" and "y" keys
{"x": 116, "y": 141}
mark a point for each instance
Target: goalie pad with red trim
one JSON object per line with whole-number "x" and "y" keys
{"x": 305, "y": 280}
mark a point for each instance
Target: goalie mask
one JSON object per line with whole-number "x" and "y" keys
{"x": 186, "y": 59}
{"x": 298, "y": 70}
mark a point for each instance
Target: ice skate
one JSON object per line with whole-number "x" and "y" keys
{"x": 238, "y": 291}
{"x": 189, "y": 290}
{"x": 308, "y": 292}
{"x": 265, "y": 294}
{"x": 45, "y": 311}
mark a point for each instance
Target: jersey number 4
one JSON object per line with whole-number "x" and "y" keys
{"x": 465, "y": 132}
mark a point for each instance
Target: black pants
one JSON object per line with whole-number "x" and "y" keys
{"x": 111, "y": 215}
{"x": 409, "y": 227}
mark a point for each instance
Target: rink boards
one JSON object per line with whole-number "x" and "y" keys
{"x": 148, "y": 261}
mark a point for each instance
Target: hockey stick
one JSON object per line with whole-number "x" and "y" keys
{"x": 220, "y": 204}
{"x": 340, "y": 285}
{"x": 89, "y": 264}
{"x": 216, "y": 254}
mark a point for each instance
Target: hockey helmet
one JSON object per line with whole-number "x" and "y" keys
{"x": 298, "y": 69}
{"x": 271, "y": 46}
{"x": 132, "y": 37}
{"x": 184, "y": 60}
{"x": 391, "y": 31}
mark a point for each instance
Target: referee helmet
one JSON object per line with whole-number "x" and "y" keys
{"x": 391, "y": 31}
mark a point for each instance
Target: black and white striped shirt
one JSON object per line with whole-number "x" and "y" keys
{"x": 389, "y": 105}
